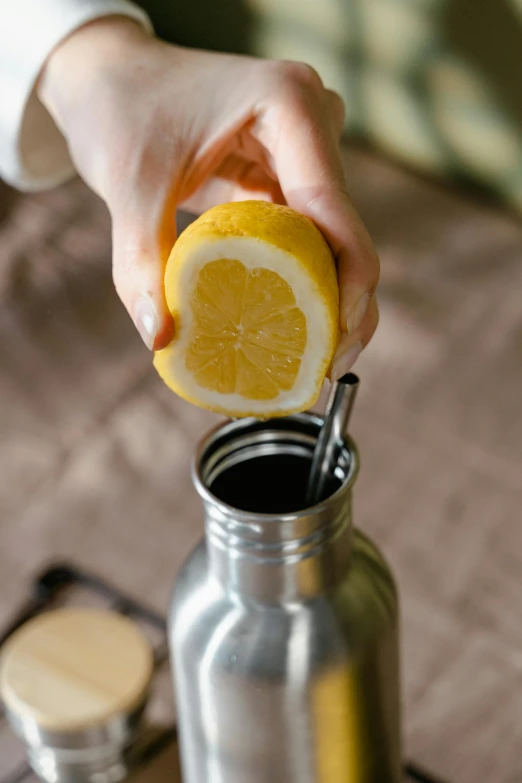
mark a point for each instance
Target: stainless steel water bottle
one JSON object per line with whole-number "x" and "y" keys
{"x": 284, "y": 622}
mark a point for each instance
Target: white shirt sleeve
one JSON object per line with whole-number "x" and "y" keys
{"x": 33, "y": 152}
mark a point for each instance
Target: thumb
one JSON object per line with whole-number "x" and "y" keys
{"x": 141, "y": 248}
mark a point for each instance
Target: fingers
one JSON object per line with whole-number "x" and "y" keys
{"x": 140, "y": 250}
{"x": 236, "y": 179}
{"x": 217, "y": 191}
{"x": 297, "y": 126}
{"x": 351, "y": 344}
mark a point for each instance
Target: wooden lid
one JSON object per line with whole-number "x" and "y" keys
{"x": 73, "y": 669}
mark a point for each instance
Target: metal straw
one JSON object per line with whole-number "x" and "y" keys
{"x": 338, "y": 410}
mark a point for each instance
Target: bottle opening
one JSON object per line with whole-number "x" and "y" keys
{"x": 263, "y": 467}
{"x": 273, "y": 484}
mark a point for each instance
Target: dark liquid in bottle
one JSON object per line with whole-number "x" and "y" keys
{"x": 273, "y": 484}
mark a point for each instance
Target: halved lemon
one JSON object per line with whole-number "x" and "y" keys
{"x": 252, "y": 287}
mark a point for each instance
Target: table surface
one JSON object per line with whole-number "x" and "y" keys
{"x": 95, "y": 451}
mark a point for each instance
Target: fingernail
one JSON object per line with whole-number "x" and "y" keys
{"x": 355, "y": 317}
{"x": 146, "y": 320}
{"x": 345, "y": 361}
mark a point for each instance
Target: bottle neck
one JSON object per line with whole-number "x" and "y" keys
{"x": 263, "y": 543}
{"x": 279, "y": 560}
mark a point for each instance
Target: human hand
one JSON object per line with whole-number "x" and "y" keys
{"x": 152, "y": 127}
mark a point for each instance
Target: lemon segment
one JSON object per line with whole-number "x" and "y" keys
{"x": 252, "y": 288}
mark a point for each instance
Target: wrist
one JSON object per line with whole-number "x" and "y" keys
{"x": 82, "y": 57}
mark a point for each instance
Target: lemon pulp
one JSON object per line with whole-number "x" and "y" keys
{"x": 248, "y": 335}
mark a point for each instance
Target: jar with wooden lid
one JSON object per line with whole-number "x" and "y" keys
{"x": 75, "y": 683}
